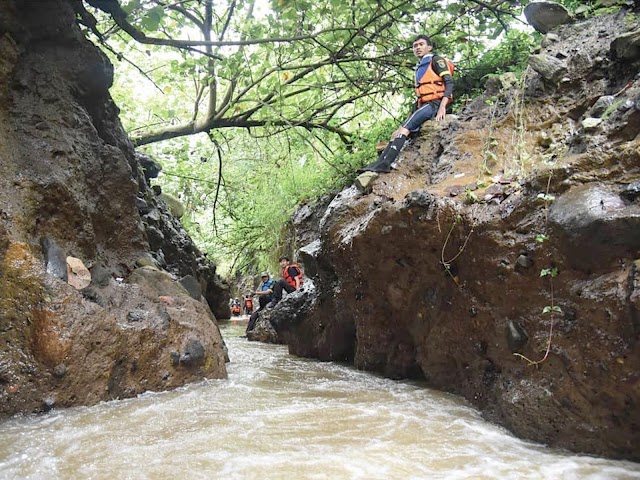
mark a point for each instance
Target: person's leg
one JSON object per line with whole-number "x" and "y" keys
{"x": 421, "y": 115}
{"x": 280, "y": 285}
{"x": 252, "y": 320}
{"x": 391, "y": 152}
{"x": 386, "y": 158}
{"x": 262, "y": 302}
{"x": 277, "y": 292}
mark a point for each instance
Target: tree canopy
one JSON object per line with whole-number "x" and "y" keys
{"x": 316, "y": 65}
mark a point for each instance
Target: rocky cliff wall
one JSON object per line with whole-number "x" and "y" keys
{"x": 511, "y": 229}
{"x": 89, "y": 311}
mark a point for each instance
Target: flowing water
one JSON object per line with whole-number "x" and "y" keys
{"x": 282, "y": 417}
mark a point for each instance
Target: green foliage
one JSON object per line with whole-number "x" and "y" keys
{"x": 541, "y": 238}
{"x": 263, "y": 180}
{"x": 550, "y": 309}
{"x": 546, "y": 198}
{"x": 582, "y": 8}
{"x": 549, "y": 272}
{"x": 470, "y": 197}
{"x": 291, "y": 97}
{"x": 510, "y": 55}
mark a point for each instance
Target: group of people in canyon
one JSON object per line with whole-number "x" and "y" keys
{"x": 269, "y": 291}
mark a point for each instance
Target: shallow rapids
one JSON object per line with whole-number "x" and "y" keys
{"x": 282, "y": 417}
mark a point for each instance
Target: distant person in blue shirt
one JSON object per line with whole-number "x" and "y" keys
{"x": 264, "y": 294}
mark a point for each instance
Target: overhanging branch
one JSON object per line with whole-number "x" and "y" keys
{"x": 183, "y": 130}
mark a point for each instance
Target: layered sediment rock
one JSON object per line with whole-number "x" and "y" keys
{"x": 500, "y": 261}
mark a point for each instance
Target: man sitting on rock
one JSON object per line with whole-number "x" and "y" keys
{"x": 291, "y": 280}
{"x": 434, "y": 89}
{"x": 265, "y": 295}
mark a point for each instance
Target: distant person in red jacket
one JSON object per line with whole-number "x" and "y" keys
{"x": 290, "y": 282}
{"x": 248, "y": 305}
{"x": 235, "y": 307}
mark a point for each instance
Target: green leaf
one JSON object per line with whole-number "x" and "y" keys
{"x": 131, "y": 6}
{"x": 545, "y": 197}
{"x": 541, "y": 238}
{"x": 550, "y": 309}
{"x": 151, "y": 21}
{"x": 549, "y": 272}
{"x": 496, "y": 33}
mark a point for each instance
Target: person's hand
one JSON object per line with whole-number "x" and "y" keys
{"x": 442, "y": 110}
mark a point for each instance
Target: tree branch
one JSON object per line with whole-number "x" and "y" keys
{"x": 182, "y": 130}
{"x": 113, "y": 8}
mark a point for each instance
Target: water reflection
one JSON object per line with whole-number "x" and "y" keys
{"x": 280, "y": 417}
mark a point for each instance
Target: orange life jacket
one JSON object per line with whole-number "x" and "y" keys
{"x": 235, "y": 309}
{"x": 431, "y": 86}
{"x": 248, "y": 302}
{"x": 288, "y": 278}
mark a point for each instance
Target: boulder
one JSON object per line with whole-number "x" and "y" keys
{"x": 550, "y": 68}
{"x": 545, "y": 16}
{"x": 191, "y": 285}
{"x": 590, "y": 124}
{"x": 364, "y": 181}
{"x": 627, "y": 46}
{"x": 263, "y": 330}
{"x": 150, "y": 167}
{"x": 309, "y": 257}
{"x": 78, "y": 276}
{"x": 55, "y": 259}
{"x": 69, "y": 176}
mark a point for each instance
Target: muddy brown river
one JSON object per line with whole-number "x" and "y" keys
{"x": 283, "y": 417}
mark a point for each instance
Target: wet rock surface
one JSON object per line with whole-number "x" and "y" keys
{"x": 82, "y": 320}
{"x": 413, "y": 282}
{"x": 273, "y": 323}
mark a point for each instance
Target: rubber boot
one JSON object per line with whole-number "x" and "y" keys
{"x": 387, "y": 157}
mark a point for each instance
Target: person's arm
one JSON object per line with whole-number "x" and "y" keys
{"x": 440, "y": 68}
{"x": 268, "y": 291}
{"x": 442, "y": 109}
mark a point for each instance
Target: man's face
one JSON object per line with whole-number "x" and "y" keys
{"x": 283, "y": 263}
{"x": 421, "y": 47}
{"x": 265, "y": 278}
